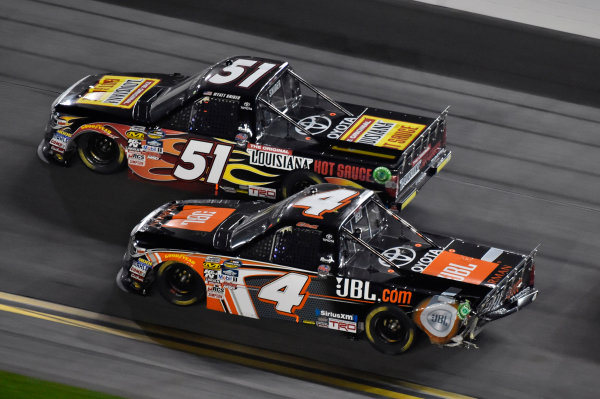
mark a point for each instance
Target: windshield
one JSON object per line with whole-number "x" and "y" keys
{"x": 177, "y": 94}
{"x": 257, "y": 224}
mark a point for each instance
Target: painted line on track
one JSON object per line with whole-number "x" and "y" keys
{"x": 288, "y": 365}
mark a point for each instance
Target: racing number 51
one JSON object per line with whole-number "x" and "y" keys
{"x": 195, "y": 153}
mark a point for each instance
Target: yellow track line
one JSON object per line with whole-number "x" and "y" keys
{"x": 296, "y": 373}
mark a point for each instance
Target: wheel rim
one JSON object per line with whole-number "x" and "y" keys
{"x": 102, "y": 149}
{"x": 180, "y": 280}
{"x": 390, "y": 328}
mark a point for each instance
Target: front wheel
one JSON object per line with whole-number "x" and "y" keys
{"x": 100, "y": 153}
{"x": 180, "y": 284}
{"x": 389, "y": 330}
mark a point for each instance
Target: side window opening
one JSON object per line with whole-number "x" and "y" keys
{"x": 215, "y": 117}
{"x": 288, "y": 246}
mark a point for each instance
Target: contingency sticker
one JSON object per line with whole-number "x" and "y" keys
{"x": 117, "y": 91}
{"x": 199, "y": 218}
{"x": 381, "y": 132}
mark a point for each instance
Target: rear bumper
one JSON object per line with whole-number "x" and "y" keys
{"x": 516, "y": 303}
{"x": 409, "y": 190}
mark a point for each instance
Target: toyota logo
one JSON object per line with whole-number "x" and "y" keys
{"x": 314, "y": 124}
{"x": 399, "y": 256}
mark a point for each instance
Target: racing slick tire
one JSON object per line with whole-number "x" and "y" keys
{"x": 100, "y": 153}
{"x": 298, "y": 180}
{"x": 389, "y": 329}
{"x": 180, "y": 284}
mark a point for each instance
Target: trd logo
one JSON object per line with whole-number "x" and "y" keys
{"x": 352, "y": 288}
{"x": 342, "y": 325}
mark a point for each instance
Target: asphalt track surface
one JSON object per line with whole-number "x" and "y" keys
{"x": 524, "y": 172}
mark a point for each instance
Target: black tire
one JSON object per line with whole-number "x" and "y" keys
{"x": 100, "y": 153}
{"x": 180, "y": 284}
{"x": 298, "y": 180}
{"x": 389, "y": 329}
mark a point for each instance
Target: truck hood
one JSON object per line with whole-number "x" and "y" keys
{"x": 125, "y": 96}
{"x": 195, "y": 223}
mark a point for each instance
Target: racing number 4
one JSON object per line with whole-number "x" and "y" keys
{"x": 317, "y": 204}
{"x": 285, "y": 292}
{"x": 195, "y": 154}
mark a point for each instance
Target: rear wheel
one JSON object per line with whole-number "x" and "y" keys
{"x": 298, "y": 180}
{"x": 389, "y": 329}
{"x": 180, "y": 284}
{"x": 100, "y": 153}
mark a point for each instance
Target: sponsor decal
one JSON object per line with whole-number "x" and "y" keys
{"x": 342, "y": 325}
{"x": 267, "y": 148}
{"x": 274, "y": 88}
{"x": 341, "y": 316}
{"x": 409, "y": 176}
{"x": 352, "y": 288}
{"x": 199, "y": 218}
{"x": 278, "y": 160}
{"x": 323, "y": 322}
{"x": 135, "y": 133}
{"x": 499, "y": 274}
{"x": 457, "y": 267}
{"x": 230, "y": 272}
{"x": 241, "y": 138}
{"x": 307, "y": 225}
{"x": 216, "y": 292}
{"x": 438, "y": 317}
{"x": 227, "y": 96}
{"x": 344, "y": 171}
{"x": 211, "y": 276}
{"x": 56, "y": 142}
{"x": 95, "y": 126}
{"x": 136, "y": 158}
{"x": 262, "y": 192}
{"x": 155, "y": 146}
{"x": 315, "y": 124}
{"x": 381, "y": 132}
{"x": 399, "y": 256}
{"x": 156, "y": 134}
{"x": 153, "y": 157}
{"x": 396, "y": 296}
{"x": 134, "y": 144}
{"x": 212, "y": 262}
{"x": 180, "y": 257}
{"x": 382, "y": 175}
{"x": 57, "y": 149}
{"x": 328, "y": 238}
{"x": 308, "y": 322}
{"x": 117, "y": 91}
{"x": 139, "y": 268}
{"x": 323, "y": 270}
{"x": 246, "y": 106}
{"x": 426, "y": 260}
{"x": 232, "y": 264}
{"x": 464, "y": 309}
{"x": 341, "y": 128}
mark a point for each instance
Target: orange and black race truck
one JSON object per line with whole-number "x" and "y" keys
{"x": 329, "y": 256}
{"x": 246, "y": 125}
